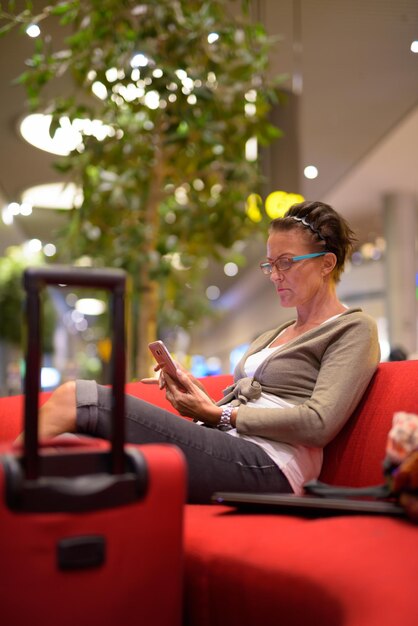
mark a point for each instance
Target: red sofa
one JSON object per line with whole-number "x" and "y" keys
{"x": 249, "y": 568}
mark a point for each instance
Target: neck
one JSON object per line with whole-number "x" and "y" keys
{"x": 324, "y": 306}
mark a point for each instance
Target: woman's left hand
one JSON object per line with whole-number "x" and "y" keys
{"x": 190, "y": 400}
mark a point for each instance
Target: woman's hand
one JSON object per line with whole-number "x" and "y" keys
{"x": 190, "y": 400}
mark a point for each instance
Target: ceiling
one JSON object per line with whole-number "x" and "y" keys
{"x": 355, "y": 81}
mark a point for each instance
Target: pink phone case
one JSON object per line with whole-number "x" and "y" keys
{"x": 163, "y": 358}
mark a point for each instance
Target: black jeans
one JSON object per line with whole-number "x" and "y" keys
{"x": 216, "y": 461}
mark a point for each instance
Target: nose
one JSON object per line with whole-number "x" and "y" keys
{"x": 276, "y": 274}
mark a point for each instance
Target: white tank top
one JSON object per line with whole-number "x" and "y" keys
{"x": 298, "y": 463}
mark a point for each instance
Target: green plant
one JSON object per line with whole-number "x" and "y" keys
{"x": 12, "y": 298}
{"x": 183, "y": 87}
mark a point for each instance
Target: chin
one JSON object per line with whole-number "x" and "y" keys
{"x": 285, "y": 301}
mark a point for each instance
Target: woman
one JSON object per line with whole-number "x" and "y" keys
{"x": 294, "y": 389}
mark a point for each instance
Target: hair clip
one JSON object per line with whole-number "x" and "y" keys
{"x": 305, "y": 223}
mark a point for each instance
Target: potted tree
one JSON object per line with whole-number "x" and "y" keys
{"x": 183, "y": 91}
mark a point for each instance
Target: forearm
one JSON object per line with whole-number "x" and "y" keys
{"x": 300, "y": 425}
{"x": 314, "y": 422}
{"x": 209, "y": 414}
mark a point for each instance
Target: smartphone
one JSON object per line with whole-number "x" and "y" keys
{"x": 163, "y": 358}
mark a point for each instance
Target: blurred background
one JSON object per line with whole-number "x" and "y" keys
{"x": 350, "y": 139}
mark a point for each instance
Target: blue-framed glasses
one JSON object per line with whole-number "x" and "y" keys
{"x": 285, "y": 263}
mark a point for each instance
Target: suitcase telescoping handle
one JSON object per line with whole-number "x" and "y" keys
{"x": 34, "y": 279}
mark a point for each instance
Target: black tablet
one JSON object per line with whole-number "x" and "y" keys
{"x": 292, "y": 504}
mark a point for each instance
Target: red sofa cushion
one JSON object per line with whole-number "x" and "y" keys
{"x": 252, "y": 569}
{"x": 11, "y": 417}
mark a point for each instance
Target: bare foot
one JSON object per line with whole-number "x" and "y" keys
{"x": 58, "y": 414}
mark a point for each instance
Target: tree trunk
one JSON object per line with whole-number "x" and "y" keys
{"x": 146, "y": 329}
{"x": 149, "y": 298}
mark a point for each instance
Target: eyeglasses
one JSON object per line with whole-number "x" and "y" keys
{"x": 285, "y": 263}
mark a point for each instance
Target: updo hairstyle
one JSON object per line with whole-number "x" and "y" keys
{"x": 325, "y": 227}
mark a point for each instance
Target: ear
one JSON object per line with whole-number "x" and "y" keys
{"x": 329, "y": 261}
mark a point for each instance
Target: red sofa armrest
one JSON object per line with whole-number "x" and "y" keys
{"x": 355, "y": 456}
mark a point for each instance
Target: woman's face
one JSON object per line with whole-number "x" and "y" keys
{"x": 298, "y": 285}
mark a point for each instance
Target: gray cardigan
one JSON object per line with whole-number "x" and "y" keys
{"x": 324, "y": 372}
